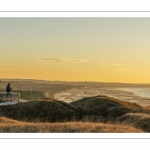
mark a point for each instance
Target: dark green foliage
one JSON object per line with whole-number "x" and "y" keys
{"x": 104, "y": 106}
{"x": 92, "y": 109}
{"x": 41, "y": 111}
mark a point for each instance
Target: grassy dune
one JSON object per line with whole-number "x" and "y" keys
{"x": 137, "y": 120}
{"x": 105, "y": 106}
{"x": 13, "y": 126}
{"x": 93, "y": 114}
{"x": 41, "y": 111}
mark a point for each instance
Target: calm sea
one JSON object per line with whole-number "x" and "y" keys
{"x": 144, "y": 92}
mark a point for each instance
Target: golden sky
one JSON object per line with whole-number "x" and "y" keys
{"x": 76, "y": 49}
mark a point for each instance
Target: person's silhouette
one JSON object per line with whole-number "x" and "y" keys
{"x": 8, "y": 90}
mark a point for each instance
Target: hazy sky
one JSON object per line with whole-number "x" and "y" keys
{"x": 76, "y": 49}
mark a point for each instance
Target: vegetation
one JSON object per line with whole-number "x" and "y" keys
{"x": 38, "y": 85}
{"x": 41, "y": 111}
{"x": 137, "y": 120}
{"x": 26, "y": 94}
{"x": 93, "y": 114}
{"x": 105, "y": 106}
{"x": 13, "y": 126}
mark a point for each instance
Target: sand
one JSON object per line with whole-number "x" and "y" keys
{"x": 79, "y": 93}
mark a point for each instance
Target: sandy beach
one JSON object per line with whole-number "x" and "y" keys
{"x": 76, "y": 94}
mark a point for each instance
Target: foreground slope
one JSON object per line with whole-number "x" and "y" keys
{"x": 92, "y": 114}
{"x": 137, "y": 120}
{"x": 92, "y": 108}
{"x": 41, "y": 111}
{"x": 13, "y": 126}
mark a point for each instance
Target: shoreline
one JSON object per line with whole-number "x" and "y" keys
{"x": 77, "y": 94}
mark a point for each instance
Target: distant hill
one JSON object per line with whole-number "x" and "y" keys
{"x": 34, "y": 85}
{"x": 76, "y": 83}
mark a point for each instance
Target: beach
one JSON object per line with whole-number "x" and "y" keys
{"x": 119, "y": 93}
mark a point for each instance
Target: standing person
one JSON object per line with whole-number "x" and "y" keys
{"x": 8, "y": 89}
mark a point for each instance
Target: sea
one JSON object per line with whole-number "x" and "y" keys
{"x": 143, "y": 92}
{"x": 79, "y": 94}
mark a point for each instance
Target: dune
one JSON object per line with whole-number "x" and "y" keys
{"x": 40, "y": 111}
{"x": 13, "y": 126}
{"x": 137, "y": 120}
{"x": 91, "y": 114}
{"x": 98, "y": 108}
{"x": 105, "y": 106}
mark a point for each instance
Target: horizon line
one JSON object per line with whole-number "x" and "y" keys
{"x": 70, "y": 81}
{"x": 78, "y": 11}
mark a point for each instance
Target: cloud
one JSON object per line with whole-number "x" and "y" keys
{"x": 117, "y": 65}
{"x": 112, "y": 64}
{"x": 68, "y": 60}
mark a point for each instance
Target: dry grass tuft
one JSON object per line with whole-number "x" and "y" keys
{"x": 12, "y": 126}
{"x": 137, "y": 120}
{"x": 94, "y": 114}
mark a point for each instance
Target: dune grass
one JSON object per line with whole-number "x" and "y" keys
{"x": 13, "y": 126}
{"x": 105, "y": 106}
{"x": 42, "y": 111}
{"x": 100, "y": 114}
{"x": 137, "y": 120}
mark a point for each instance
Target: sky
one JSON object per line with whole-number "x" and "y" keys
{"x": 76, "y": 49}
